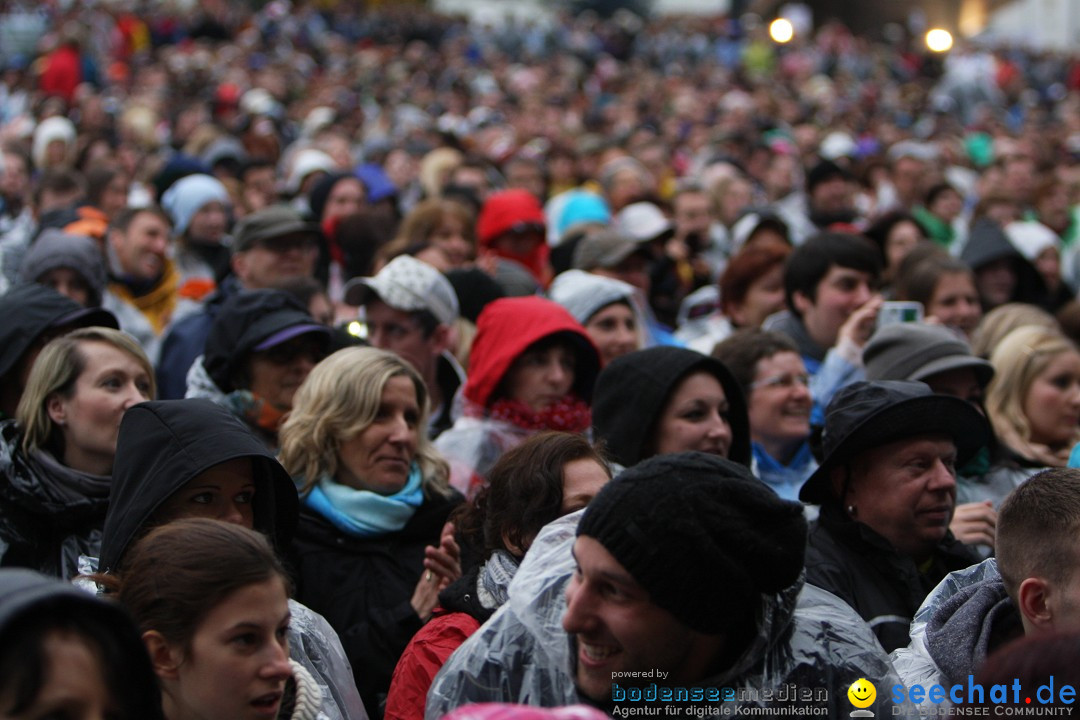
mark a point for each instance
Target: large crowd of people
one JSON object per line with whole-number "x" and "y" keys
{"x": 375, "y": 363}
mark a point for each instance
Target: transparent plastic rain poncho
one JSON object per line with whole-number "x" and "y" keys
{"x": 808, "y": 638}
{"x": 915, "y": 663}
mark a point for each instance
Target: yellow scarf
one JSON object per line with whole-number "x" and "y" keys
{"x": 158, "y": 304}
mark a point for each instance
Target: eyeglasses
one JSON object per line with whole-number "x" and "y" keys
{"x": 785, "y": 381}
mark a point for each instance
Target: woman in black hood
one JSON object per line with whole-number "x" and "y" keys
{"x": 668, "y": 399}
{"x": 59, "y": 644}
{"x": 193, "y": 458}
{"x": 56, "y": 455}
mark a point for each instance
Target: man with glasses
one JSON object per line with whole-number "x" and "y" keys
{"x": 269, "y": 247}
{"x": 771, "y": 372}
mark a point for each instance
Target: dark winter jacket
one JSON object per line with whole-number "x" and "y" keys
{"x": 49, "y": 513}
{"x": 860, "y": 566}
{"x": 363, "y": 587}
{"x": 631, "y": 393}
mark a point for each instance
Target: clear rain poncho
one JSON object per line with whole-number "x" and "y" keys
{"x": 809, "y": 642}
{"x": 977, "y": 610}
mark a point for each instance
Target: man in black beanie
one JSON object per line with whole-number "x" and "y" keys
{"x": 639, "y": 600}
{"x": 681, "y": 584}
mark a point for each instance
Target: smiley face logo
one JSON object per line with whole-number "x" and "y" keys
{"x": 862, "y": 693}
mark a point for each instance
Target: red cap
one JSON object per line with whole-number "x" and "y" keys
{"x": 506, "y": 210}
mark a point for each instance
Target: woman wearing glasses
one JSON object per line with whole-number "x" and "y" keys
{"x": 771, "y": 372}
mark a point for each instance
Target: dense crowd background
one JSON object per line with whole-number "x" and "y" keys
{"x": 576, "y": 247}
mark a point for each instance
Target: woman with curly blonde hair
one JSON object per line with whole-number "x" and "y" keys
{"x": 373, "y": 547}
{"x": 1034, "y": 399}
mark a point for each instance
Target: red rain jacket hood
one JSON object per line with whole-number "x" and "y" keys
{"x": 507, "y": 327}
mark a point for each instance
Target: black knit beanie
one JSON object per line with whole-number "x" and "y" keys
{"x": 700, "y": 534}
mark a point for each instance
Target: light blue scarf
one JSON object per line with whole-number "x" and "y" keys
{"x": 362, "y": 513}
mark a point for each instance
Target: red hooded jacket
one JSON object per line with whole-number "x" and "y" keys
{"x": 507, "y": 327}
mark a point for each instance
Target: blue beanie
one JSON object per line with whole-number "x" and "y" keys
{"x": 188, "y": 195}
{"x": 376, "y": 182}
{"x": 582, "y": 206}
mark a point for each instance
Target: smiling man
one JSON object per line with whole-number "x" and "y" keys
{"x": 143, "y": 288}
{"x": 683, "y": 574}
{"x": 832, "y": 306}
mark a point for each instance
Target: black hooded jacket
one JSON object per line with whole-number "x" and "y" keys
{"x": 29, "y": 310}
{"x": 49, "y": 513}
{"x": 632, "y": 391}
{"x": 987, "y": 243}
{"x": 364, "y": 587}
{"x": 24, "y": 593}
{"x": 162, "y": 445}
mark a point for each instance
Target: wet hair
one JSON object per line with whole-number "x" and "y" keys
{"x": 363, "y": 237}
{"x": 809, "y": 263}
{"x": 936, "y": 191}
{"x": 179, "y": 572}
{"x": 125, "y": 217}
{"x": 60, "y": 182}
{"x": 747, "y": 267}
{"x": 1029, "y": 661}
{"x": 561, "y": 339}
{"x": 1037, "y": 530}
{"x": 1002, "y": 320}
{"x": 919, "y": 283}
{"x": 56, "y": 371}
{"x": 881, "y": 229}
{"x": 98, "y": 179}
{"x": 524, "y": 492}
{"x": 339, "y": 399}
{"x": 744, "y": 349}
{"x": 421, "y": 223}
{"x": 117, "y": 648}
{"x": 1018, "y": 359}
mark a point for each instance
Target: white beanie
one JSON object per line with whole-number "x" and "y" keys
{"x": 584, "y": 294}
{"x": 305, "y": 162}
{"x": 48, "y": 130}
{"x": 190, "y": 194}
{"x": 1031, "y": 238}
